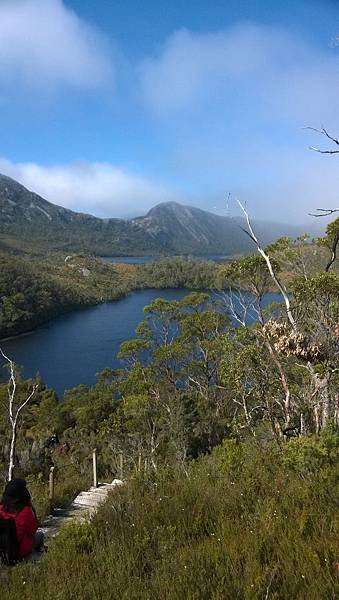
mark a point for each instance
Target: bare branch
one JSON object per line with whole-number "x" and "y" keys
{"x": 334, "y": 252}
{"x": 265, "y": 256}
{"x": 324, "y": 212}
{"x": 324, "y": 132}
{"x": 14, "y": 413}
{"x": 34, "y": 389}
{"x": 323, "y": 151}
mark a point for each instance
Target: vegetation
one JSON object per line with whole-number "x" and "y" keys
{"x": 34, "y": 290}
{"x": 229, "y": 431}
{"x": 179, "y": 272}
{"x": 29, "y": 297}
{"x": 248, "y": 521}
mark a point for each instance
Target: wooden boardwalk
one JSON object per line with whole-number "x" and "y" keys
{"x": 81, "y": 509}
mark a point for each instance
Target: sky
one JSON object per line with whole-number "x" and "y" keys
{"x": 112, "y": 106}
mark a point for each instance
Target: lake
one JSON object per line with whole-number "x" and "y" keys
{"x": 71, "y": 349}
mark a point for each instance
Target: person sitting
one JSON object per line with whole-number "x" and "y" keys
{"x": 16, "y": 504}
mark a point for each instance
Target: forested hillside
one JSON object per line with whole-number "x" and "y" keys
{"x": 229, "y": 438}
{"x": 34, "y": 290}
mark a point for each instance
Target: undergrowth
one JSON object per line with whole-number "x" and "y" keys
{"x": 250, "y": 521}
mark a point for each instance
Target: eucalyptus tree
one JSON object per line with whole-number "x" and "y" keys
{"x": 308, "y": 334}
{"x": 172, "y": 398}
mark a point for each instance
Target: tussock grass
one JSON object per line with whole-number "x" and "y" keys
{"x": 249, "y": 521}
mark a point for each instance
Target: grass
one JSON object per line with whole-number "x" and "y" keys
{"x": 250, "y": 521}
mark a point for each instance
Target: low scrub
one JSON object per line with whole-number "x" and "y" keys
{"x": 251, "y": 520}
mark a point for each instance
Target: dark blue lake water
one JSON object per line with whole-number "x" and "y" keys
{"x": 72, "y": 348}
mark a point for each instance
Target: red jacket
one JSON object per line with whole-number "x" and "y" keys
{"x": 26, "y": 526}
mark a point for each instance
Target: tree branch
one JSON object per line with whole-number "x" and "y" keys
{"x": 14, "y": 413}
{"x": 334, "y": 252}
{"x": 324, "y": 132}
{"x": 265, "y": 256}
{"x": 324, "y": 212}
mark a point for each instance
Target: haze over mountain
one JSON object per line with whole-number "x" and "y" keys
{"x": 28, "y": 221}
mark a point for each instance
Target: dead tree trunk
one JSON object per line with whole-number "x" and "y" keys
{"x": 14, "y": 411}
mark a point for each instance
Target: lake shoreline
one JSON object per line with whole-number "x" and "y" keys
{"x": 74, "y": 347}
{"x": 123, "y": 295}
{"x": 81, "y": 307}
{"x": 61, "y": 288}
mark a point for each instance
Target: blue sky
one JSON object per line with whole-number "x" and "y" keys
{"x": 110, "y": 107}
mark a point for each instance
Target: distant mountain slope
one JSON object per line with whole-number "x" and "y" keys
{"x": 28, "y": 222}
{"x": 188, "y": 229}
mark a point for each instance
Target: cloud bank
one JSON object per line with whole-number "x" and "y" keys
{"x": 101, "y": 189}
{"x": 45, "y": 45}
{"x": 238, "y": 100}
{"x": 278, "y": 71}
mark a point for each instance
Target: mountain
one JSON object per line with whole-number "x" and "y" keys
{"x": 28, "y": 222}
{"x": 186, "y": 229}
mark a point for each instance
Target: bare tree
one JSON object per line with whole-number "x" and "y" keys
{"x": 14, "y": 410}
{"x": 268, "y": 261}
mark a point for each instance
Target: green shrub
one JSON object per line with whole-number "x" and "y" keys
{"x": 243, "y": 522}
{"x": 308, "y": 454}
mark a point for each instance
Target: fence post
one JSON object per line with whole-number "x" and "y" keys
{"x": 51, "y": 488}
{"x": 95, "y": 472}
{"x": 121, "y": 464}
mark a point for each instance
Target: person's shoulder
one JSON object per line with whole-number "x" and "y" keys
{"x": 25, "y": 513}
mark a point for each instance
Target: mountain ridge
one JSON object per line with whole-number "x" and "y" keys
{"x": 27, "y": 219}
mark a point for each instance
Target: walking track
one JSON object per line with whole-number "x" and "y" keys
{"x": 83, "y": 507}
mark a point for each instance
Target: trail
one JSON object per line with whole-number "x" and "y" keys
{"x": 83, "y": 507}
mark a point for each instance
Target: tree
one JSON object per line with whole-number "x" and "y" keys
{"x": 331, "y": 241}
{"x": 310, "y": 335}
{"x": 15, "y": 407}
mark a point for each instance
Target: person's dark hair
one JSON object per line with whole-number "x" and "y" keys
{"x": 16, "y": 496}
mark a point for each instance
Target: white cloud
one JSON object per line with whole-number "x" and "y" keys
{"x": 44, "y": 44}
{"x": 276, "y": 71}
{"x": 235, "y": 102}
{"x": 280, "y": 182}
{"x": 101, "y": 189}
